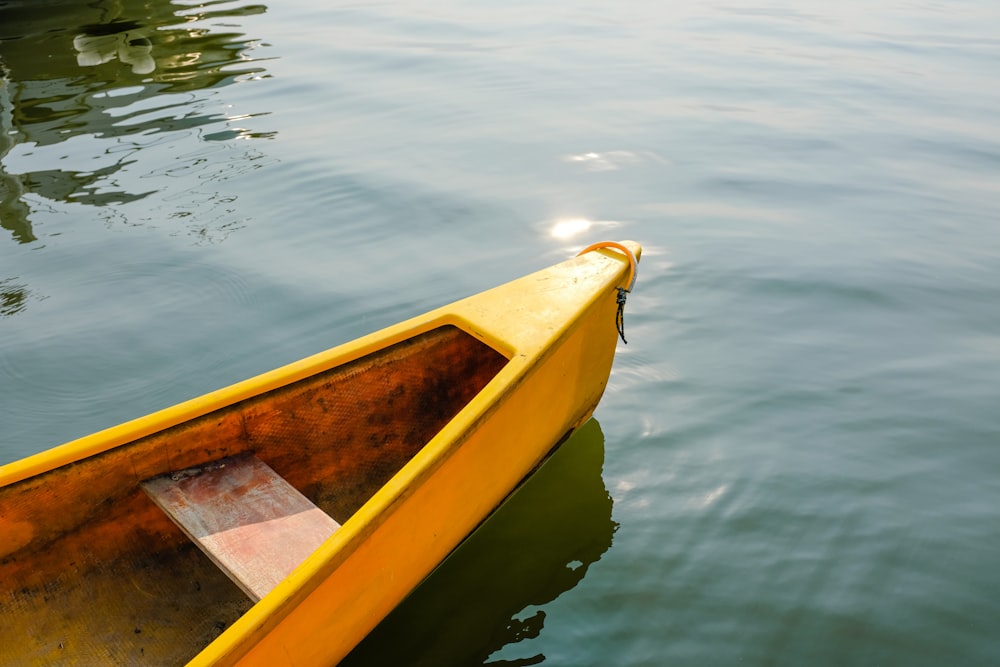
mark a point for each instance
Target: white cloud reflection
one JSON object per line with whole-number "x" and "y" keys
{"x": 613, "y": 160}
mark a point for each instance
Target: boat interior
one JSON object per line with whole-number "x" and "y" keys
{"x": 93, "y": 570}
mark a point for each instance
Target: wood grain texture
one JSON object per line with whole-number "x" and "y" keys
{"x": 252, "y": 523}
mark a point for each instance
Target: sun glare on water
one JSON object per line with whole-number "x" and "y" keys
{"x": 564, "y": 229}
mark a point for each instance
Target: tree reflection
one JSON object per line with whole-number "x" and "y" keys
{"x": 13, "y": 297}
{"x": 106, "y": 71}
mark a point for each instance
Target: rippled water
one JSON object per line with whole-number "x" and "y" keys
{"x": 798, "y": 457}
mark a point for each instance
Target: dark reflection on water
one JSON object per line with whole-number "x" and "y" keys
{"x": 125, "y": 70}
{"x": 13, "y": 296}
{"x": 537, "y": 546}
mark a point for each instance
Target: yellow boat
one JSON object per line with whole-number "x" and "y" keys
{"x": 278, "y": 520}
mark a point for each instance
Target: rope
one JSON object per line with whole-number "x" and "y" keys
{"x": 623, "y": 292}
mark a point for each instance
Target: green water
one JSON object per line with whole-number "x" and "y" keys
{"x": 797, "y": 460}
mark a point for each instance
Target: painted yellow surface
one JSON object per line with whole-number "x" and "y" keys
{"x": 557, "y": 330}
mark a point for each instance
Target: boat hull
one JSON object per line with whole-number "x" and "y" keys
{"x": 511, "y": 372}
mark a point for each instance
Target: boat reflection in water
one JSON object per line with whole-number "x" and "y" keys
{"x": 118, "y": 75}
{"x": 536, "y": 546}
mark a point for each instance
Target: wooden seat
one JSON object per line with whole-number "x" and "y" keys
{"x": 252, "y": 523}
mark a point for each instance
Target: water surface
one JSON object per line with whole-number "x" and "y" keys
{"x": 798, "y": 448}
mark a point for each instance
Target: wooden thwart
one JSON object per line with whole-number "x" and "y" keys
{"x": 252, "y": 523}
